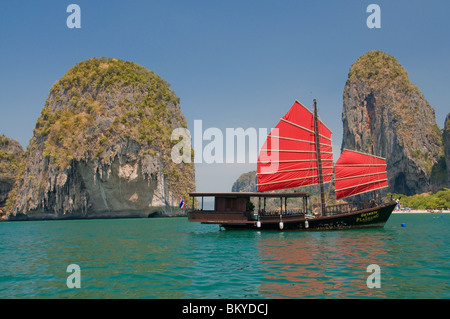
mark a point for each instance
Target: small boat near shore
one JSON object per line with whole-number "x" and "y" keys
{"x": 298, "y": 152}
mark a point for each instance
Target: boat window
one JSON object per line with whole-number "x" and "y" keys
{"x": 208, "y": 203}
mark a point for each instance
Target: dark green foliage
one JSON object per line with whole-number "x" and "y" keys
{"x": 82, "y": 98}
{"x": 440, "y": 199}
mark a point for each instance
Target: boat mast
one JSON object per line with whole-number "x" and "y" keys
{"x": 319, "y": 162}
{"x": 374, "y": 191}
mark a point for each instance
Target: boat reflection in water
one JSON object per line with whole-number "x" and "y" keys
{"x": 322, "y": 265}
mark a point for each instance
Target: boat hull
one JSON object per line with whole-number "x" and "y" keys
{"x": 374, "y": 217}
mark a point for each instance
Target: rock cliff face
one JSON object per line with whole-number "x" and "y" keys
{"x": 245, "y": 183}
{"x": 102, "y": 148}
{"x": 11, "y": 158}
{"x": 385, "y": 114}
{"x": 446, "y": 140}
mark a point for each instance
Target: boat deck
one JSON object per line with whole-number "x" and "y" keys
{"x": 236, "y": 208}
{"x": 232, "y": 210}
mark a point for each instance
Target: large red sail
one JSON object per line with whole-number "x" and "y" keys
{"x": 357, "y": 173}
{"x": 288, "y": 156}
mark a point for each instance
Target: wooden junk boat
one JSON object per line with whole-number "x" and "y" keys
{"x": 298, "y": 152}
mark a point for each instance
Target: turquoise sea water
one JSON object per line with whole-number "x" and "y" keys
{"x": 174, "y": 259}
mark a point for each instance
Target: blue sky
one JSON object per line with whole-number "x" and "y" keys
{"x": 232, "y": 63}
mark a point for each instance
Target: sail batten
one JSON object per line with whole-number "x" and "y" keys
{"x": 300, "y": 178}
{"x": 288, "y": 157}
{"x": 293, "y": 170}
{"x": 358, "y": 173}
{"x": 306, "y": 129}
{"x": 292, "y": 161}
{"x": 295, "y": 151}
{"x": 362, "y": 165}
{"x": 363, "y": 184}
{"x": 297, "y": 140}
{"x": 358, "y": 176}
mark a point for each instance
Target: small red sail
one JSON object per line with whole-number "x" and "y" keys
{"x": 288, "y": 156}
{"x": 357, "y": 173}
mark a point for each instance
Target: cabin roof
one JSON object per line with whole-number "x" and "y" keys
{"x": 249, "y": 194}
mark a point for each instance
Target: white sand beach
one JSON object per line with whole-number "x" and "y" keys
{"x": 415, "y": 211}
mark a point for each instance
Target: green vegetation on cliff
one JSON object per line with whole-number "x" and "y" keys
{"x": 378, "y": 66}
{"x": 11, "y": 169}
{"x": 11, "y": 157}
{"x": 440, "y": 199}
{"x": 446, "y": 142}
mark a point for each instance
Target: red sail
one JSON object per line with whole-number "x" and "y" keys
{"x": 288, "y": 156}
{"x": 357, "y": 173}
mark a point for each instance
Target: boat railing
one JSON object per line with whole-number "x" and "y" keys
{"x": 283, "y": 213}
{"x": 350, "y": 207}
